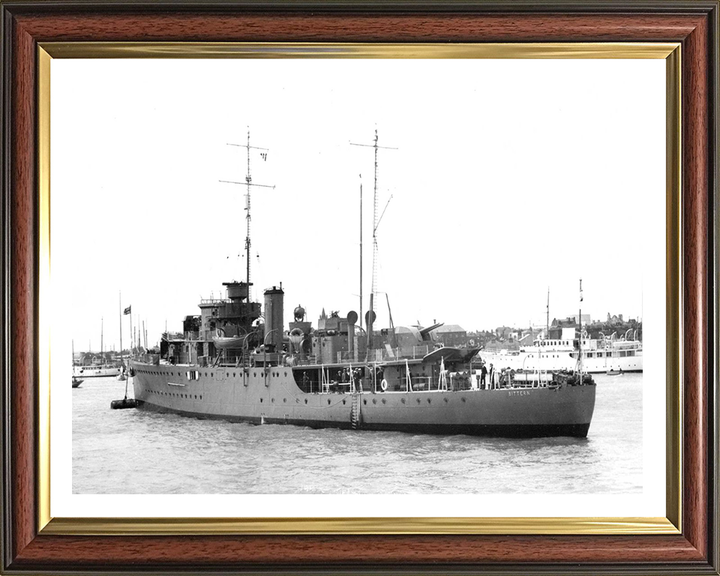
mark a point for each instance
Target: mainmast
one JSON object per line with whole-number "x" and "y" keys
{"x": 249, "y": 183}
{"x": 370, "y": 316}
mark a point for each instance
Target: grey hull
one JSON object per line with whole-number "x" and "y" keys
{"x": 230, "y": 394}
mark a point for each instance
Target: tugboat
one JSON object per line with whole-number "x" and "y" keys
{"x": 230, "y": 365}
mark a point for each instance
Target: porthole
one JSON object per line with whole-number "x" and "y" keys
{"x": 329, "y": 402}
{"x": 365, "y": 402}
{"x": 261, "y": 400}
{"x": 285, "y": 372}
{"x": 463, "y": 399}
{"x": 374, "y": 401}
{"x": 343, "y": 402}
{"x": 284, "y": 400}
{"x": 272, "y": 400}
{"x": 384, "y": 401}
{"x": 305, "y": 400}
{"x": 418, "y": 400}
{"x": 445, "y": 400}
{"x": 402, "y": 400}
{"x": 428, "y": 400}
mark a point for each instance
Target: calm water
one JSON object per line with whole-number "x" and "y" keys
{"x": 177, "y": 455}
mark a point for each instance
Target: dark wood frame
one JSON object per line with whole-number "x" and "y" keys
{"x": 694, "y": 24}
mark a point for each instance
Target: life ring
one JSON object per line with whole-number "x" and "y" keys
{"x": 471, "y": 342}
{"x": 383, "y": 385}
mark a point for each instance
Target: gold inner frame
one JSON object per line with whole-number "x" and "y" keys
{"x": 671, "y": 524}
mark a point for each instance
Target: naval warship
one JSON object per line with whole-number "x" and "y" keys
{"x": 237, "y": 360}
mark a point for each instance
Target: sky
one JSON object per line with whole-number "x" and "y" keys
{"x": 506, "y": 179}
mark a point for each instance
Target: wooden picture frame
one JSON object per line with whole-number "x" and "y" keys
{"x": 29, "y": 546}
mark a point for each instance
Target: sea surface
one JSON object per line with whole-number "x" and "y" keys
{"x": 178, "y": 455}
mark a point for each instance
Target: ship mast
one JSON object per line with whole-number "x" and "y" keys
{"x": 122, "y": 361}
{"x": 371, "y": 313}
{"x": 249, "y": 183}
{"x": 361, "y": 258}
{"x": 580, "y": 362}
{"x": 547, "y": 316}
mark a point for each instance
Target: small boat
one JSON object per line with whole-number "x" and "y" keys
{"x": 94, "y": 368}
{"x": 97, "y": 370}
{"x": 614, "y": 372}
{"x": 76, "y": 382}
{"x": 227, "y": 342}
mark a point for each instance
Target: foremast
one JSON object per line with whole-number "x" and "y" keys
{"x": 249, "y": 183}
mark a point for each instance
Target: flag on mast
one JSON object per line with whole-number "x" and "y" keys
{"x": 127, "y": 311}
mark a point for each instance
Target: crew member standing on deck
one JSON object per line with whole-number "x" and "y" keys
{"x": 483, "y": 375}
{"x": 492, "y": 377}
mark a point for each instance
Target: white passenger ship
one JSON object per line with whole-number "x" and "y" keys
{"x": 598, "y": 356}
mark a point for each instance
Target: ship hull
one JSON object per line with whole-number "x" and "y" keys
{"x": 554, "y": 361}
{"x": 488, "y": 430}
{"x": 96, "y": 371}
{"x": 273, "y": 397}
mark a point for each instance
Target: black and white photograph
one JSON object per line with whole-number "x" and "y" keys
{"x": 407, "y": 286}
